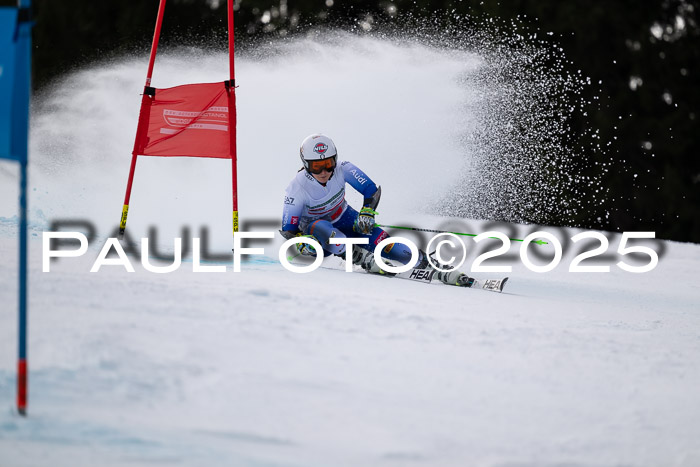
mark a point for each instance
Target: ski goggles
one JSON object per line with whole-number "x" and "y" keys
{"x": 318, "y": 166}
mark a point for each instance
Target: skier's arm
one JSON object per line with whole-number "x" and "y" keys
{"x": 362, "y": 183}
{"x": 364, "y": 223}
{"x": 294, "y": 202}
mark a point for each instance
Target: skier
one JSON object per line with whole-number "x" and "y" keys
{"x": 315, "y": 206}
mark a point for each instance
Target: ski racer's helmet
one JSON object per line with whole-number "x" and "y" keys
{"x": 317, "y": 153}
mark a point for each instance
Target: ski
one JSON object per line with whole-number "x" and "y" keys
{"x": 493, "y": 285}
{"x": 426, "y": 275}
{"x": 418, "y": 275}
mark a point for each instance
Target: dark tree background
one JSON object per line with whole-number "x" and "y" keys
{"x": 642, "y": 58}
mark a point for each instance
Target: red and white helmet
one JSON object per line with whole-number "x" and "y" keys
{"x": 317, "y": 147}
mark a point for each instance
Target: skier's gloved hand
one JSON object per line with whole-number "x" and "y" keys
{"x": 365, "y": 221}
{"x": 305, "y": 248}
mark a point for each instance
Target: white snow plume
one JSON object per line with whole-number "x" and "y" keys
{"x": 525, "y": 163}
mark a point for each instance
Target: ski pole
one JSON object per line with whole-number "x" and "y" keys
{"x": 415, "y": 229}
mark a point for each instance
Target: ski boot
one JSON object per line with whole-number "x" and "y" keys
{"x": 449, "y": 274}
{"x": 365, "y": 259}
{"x": 455, "y": 277}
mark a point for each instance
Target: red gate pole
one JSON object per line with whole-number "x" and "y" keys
{"x": 232, "y": 115}
{"x": 148, "y": 93}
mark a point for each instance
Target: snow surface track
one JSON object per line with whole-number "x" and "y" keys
{"x": 270, "y": 368}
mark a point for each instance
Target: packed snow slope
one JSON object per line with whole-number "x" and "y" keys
{"x": 265, "y": 367}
